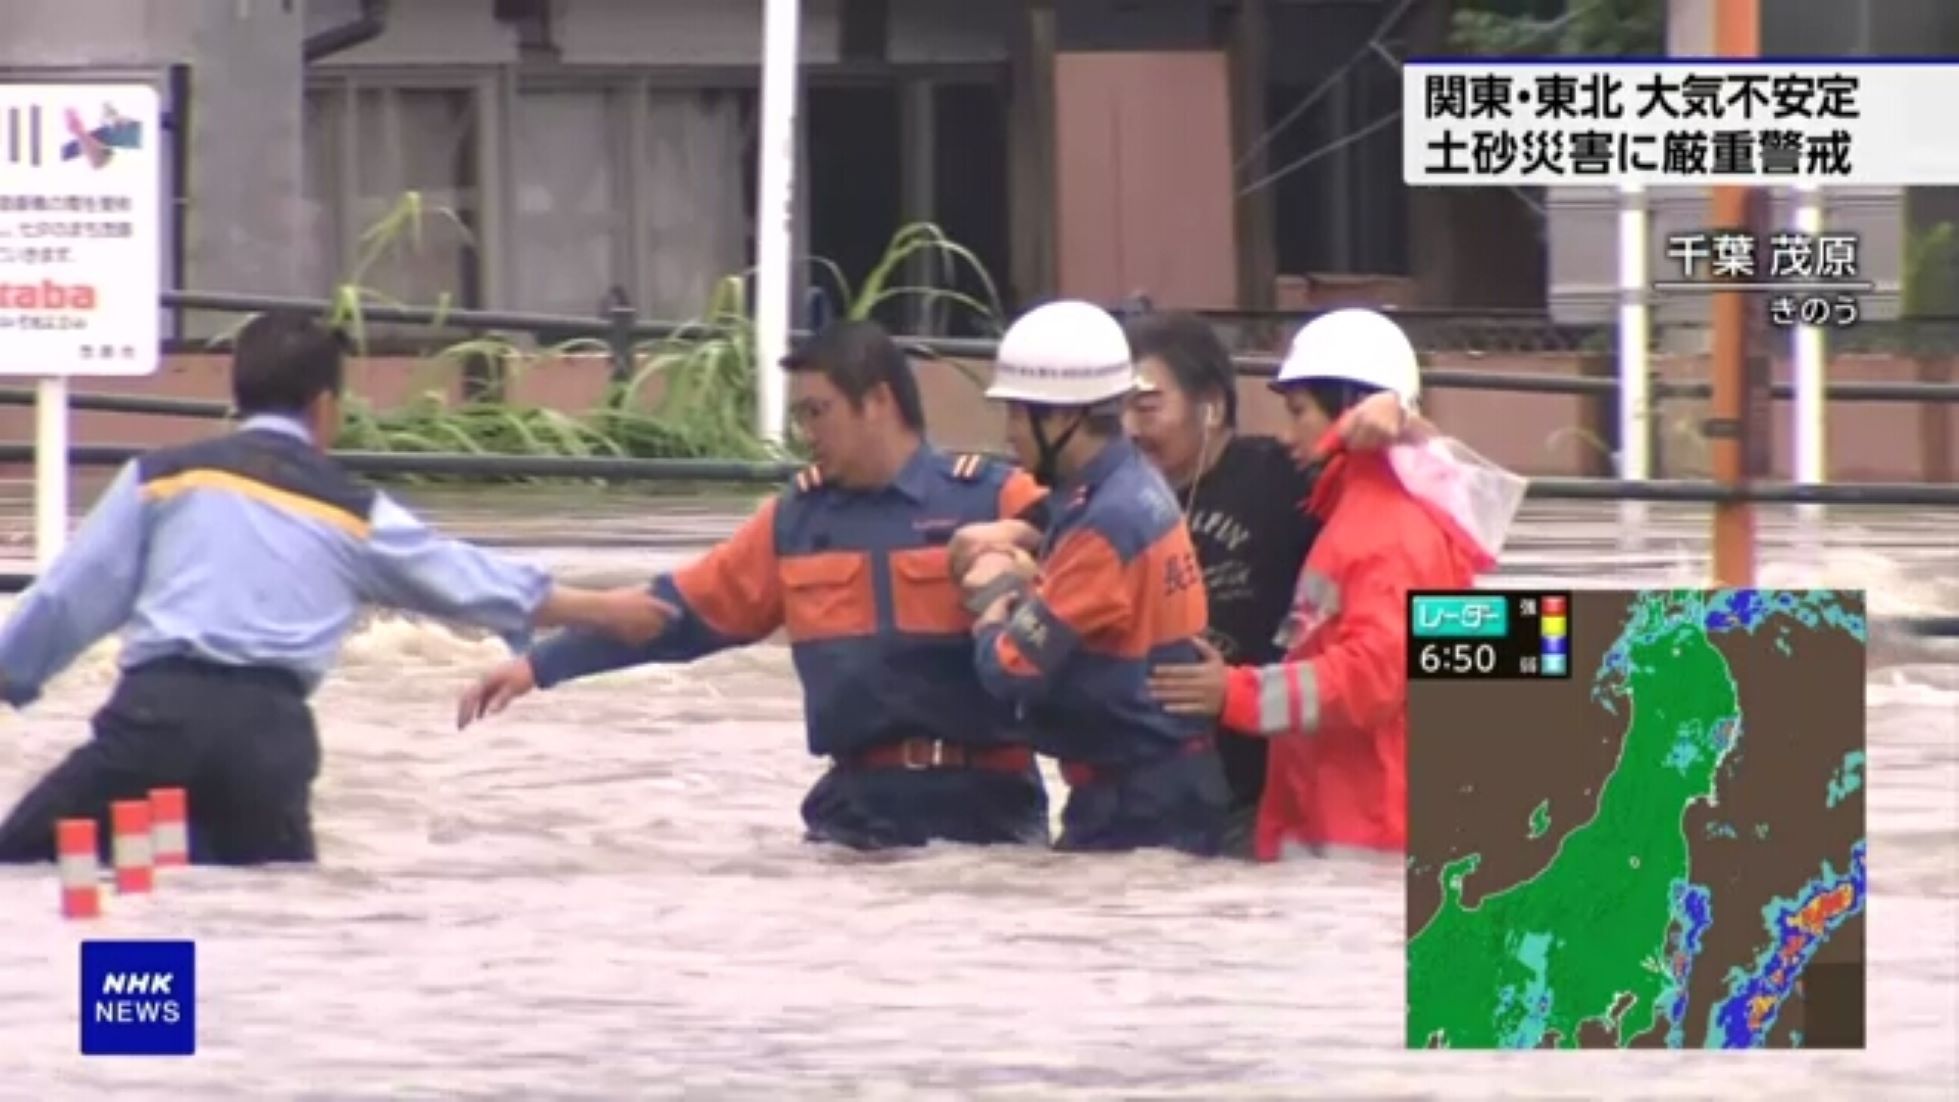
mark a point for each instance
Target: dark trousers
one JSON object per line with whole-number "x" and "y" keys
{"x": 240, "y": 742}
{"x": 893, "y": 808}
{"x": 1244, "y": 766}
{"x": 1179, "y": 802}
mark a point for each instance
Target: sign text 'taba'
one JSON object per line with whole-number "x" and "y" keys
{"x": 139, "y": 998}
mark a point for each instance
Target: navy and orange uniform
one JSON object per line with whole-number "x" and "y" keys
{"x": 1119, "y": 591}
{"x": 234, "y": 568}
{"x": 880, "y": 640}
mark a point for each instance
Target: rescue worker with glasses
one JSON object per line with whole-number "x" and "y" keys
{"x": 1431, "y": 515}
{"x": 1116, "y": 589}
{"x": 853, "y": 560}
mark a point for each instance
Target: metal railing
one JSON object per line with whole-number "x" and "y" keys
{"x": 612, "y": 468}
{"x": 622, "y": 331}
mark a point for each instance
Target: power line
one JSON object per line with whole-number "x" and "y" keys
{"x": 1369, "y": 48}
{"x": 1376, "y": 47}
{"x": 1336, "y": 146}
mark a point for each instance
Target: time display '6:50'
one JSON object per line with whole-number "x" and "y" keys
{"x": 1457, "y": 659}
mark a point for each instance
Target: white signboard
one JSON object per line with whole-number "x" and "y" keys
{"x": 80, "y": 175}
{"x": 1678, "y": 122}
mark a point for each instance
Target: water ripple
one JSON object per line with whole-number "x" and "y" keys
{"x": 603, "y": 894}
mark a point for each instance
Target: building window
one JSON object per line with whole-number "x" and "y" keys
{"x": 621, "y": 187}
{"x": 612, "y": 185}
{"x": 694, "y": 191}
{"x": 569, "y": 224}
{"x": 369, "y": 144}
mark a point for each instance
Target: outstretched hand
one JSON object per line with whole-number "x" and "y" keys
{"x": 495, "y": 691}
{"x": 1195, "y": 688}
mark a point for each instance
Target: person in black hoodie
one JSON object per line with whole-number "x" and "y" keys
{"x": 1243, "y": 498}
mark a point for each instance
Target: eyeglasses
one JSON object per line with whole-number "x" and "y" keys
{"x": 809, "y": 409}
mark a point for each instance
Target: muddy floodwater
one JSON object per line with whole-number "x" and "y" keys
{"x": 603, "y": 893}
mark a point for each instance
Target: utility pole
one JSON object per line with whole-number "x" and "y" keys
{"x": 1737, "y": 427}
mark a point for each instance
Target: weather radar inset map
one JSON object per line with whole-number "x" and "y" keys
{"x": 1663, "y": 848}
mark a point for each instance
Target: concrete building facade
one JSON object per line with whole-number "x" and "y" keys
{"x": 563, "y": 149}
{"x": 571, "y": 151}
{"x": 581, "y": 149}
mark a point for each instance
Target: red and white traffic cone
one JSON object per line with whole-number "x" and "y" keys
{"x": 169, "y": 836}
{"x": 130, "y": 820}
{"x": 80, "y": 868}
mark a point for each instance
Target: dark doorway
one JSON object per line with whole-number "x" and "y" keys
{"x": 969, "y": 174}
{"x": 854, "y": 181}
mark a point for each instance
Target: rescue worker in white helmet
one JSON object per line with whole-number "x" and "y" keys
{"x": 1415, "y": 516}
{"x": 1117, "y": 590}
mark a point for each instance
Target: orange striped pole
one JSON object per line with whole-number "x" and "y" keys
{"x": 130, "y": 822}
{"x": 169, "y": 834}
{"x": 1737, "y": 33}
{"x": 80, "y": 868}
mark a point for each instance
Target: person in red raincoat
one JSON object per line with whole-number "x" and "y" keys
{"x": 1425, "y": 515}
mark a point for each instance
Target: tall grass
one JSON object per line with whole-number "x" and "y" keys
{"x": 705, "y": 374}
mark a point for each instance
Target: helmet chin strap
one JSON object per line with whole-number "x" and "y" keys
{"x": 1049, "y": 451}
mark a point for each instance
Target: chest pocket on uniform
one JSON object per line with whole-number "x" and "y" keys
{"x": 924, "y": 598}
{"x": 828, "y": 596}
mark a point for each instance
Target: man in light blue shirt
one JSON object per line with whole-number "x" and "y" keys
{"x": 236, "y": 567}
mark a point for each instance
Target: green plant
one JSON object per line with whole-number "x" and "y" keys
{"x": 1581, "y": 28}
{"x": 709, "y": 368}
{"x": 706, "y": 373}
{"x": 401, "y": 227}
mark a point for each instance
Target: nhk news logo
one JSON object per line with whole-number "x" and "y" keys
{"x": 139, "y": 998}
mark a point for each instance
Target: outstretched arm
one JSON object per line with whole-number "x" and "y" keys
{"x": 729, "y": 597}
{"x": 407, "y": 565}
{"x": 87, "y": 593}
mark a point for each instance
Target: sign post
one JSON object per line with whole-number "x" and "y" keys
{"x": 775, "y": 211}
{"x": 1635, "y": 366}
{"x": 1807, "y": 355}
{"x": 80, "y": 174}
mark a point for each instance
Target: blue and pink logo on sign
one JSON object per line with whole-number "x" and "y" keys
{"x": 139, "y": 998}
{"x": 100, "y": 143}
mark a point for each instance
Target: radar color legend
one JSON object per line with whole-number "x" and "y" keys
{"x": 1483, "y": 635}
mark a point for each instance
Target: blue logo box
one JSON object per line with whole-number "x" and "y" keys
{"x": 139, "y": 998}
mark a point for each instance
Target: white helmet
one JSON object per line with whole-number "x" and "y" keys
{"x": 1063, "y": 354}
{"x": 1357, "y": 346}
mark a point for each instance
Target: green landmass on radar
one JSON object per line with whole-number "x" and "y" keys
{"x": 1492, "y": 975}
{"x": 1540, "y": 820}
